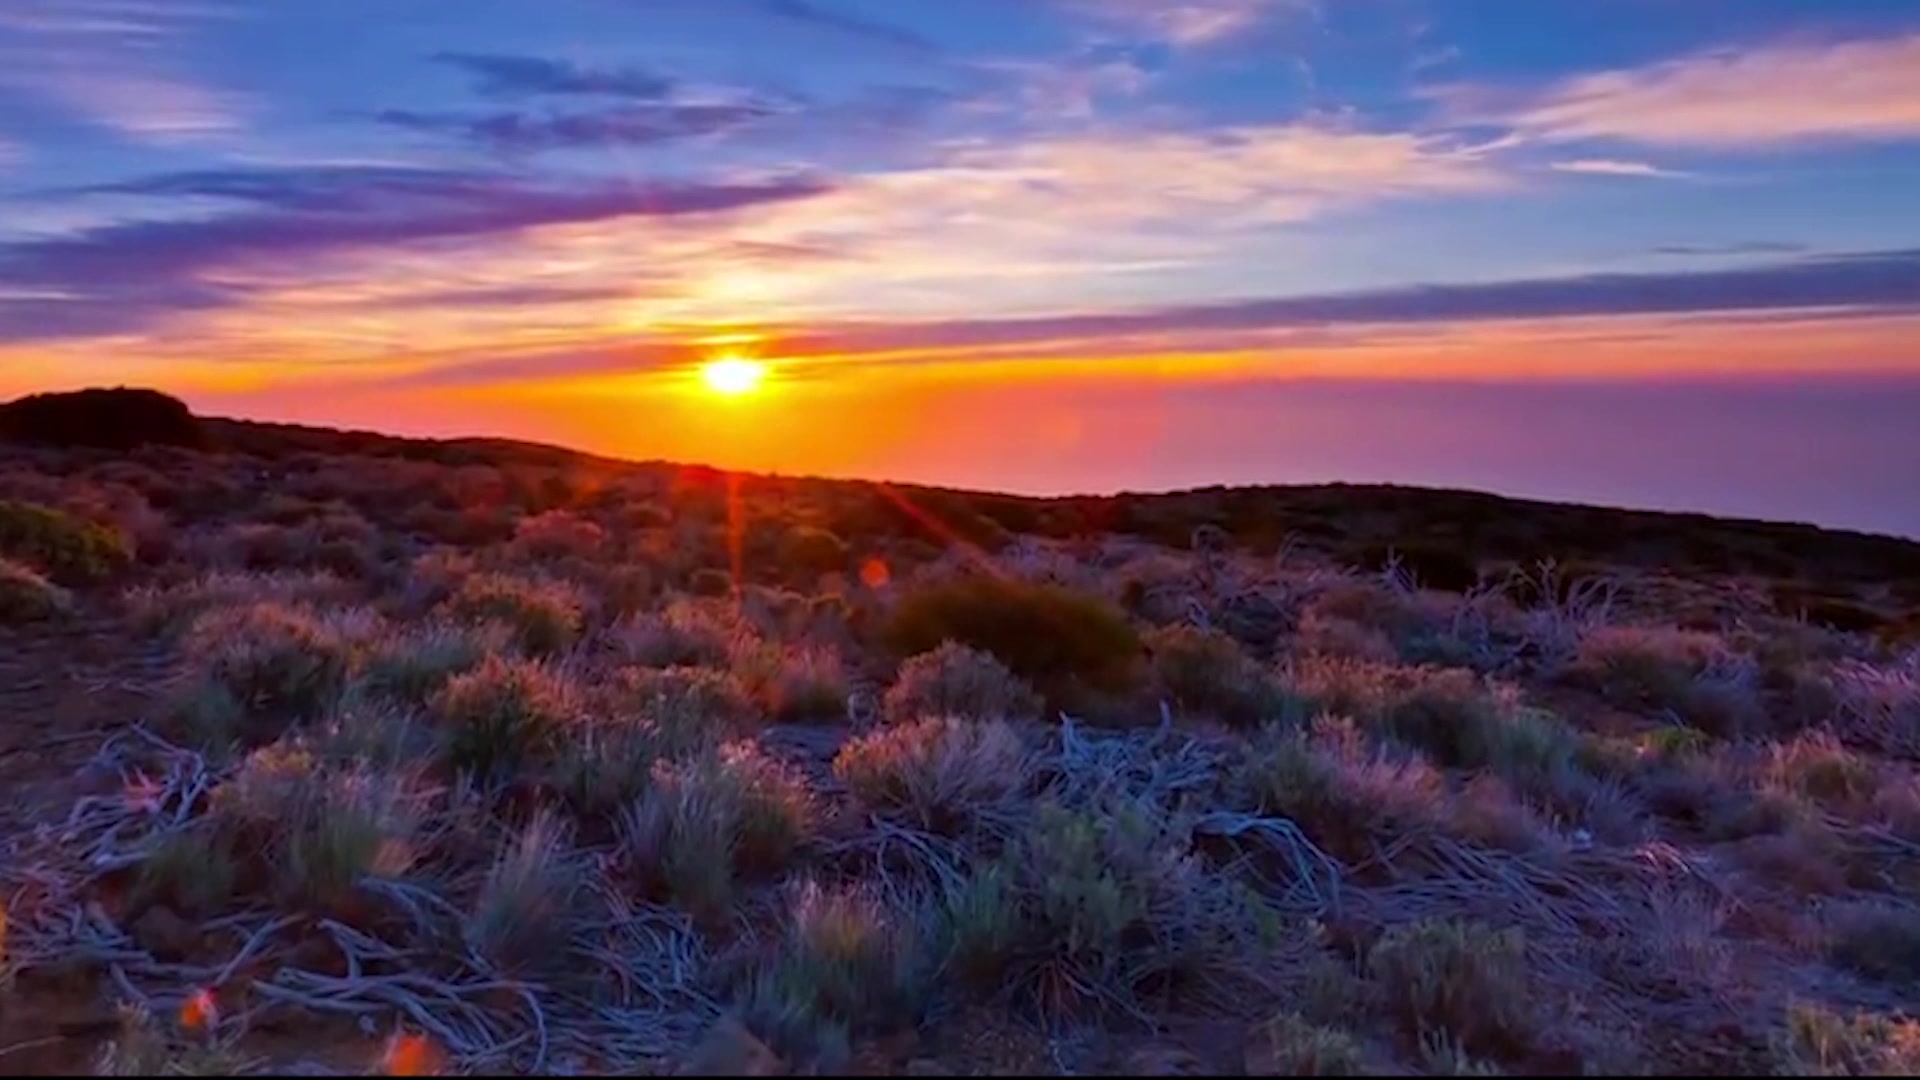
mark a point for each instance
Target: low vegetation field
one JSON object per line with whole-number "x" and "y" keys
{"x": 352, "y": 755}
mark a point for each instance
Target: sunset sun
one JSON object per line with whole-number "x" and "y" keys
{"x": 732, "y": 376}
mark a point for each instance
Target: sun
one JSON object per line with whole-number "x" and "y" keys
{"x": 733, "y": 375}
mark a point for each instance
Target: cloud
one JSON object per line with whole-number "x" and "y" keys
{"x": 1784, "y": 93}
{"x": 120, "y": 276}
{"x": 818, "y": 15}
{"x": 1614, "y": 167}
{"x": 636, "y": 125}
{"x": 97, "y": 60}
{"x": 505, "y": 75}
{"x": 1878, "y": 282}
{"x": 1748, "y": 247}
{"x": 1188, "y": 23}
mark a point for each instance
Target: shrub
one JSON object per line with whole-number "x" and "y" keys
{"x": 810, "y": 551}
{"x": 1091, "y": 909}
{"x": 526, "y": 914}
{"x": 1204, "y": 671}
{"x": 707, "y": 822}
{"x": 192, "y": 871}
{"x": 1689, "y": 674}
{"x": 1057, "y": 639}
{"x": 798, "y": 682}
{"x": 687, "y": 700}
{"x": 941, "y": 772}
{"x": 499, "y": 715}
{"x": 850, "y": 966}
{"x": 1459, "y": 980}
{"x": 684, "y": 635}
{"x": 64, "y": 547}
{"x": 276, "y": 662}
{"x": 557, "y": 534}
{"x": 1816, "y": 1041}
{"x": 115, "y": 419}
{"x": 26, "y": 597}
{"x": 1878, "y": 940}
{"x": 1429, "y": 565}
{"x": 316, "y": 831}
{"x": 710, "y": 582}
{"x": 1290, "y": 1045}
{"x": 546, "y": 616}
{"x": 1816, "y": 766}
{"x": 140, "y": 1048}
{"x": 954, "y": 680}
{"x": 411, "y": 667}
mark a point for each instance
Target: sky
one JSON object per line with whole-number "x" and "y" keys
{"x": 1657, "y": 253}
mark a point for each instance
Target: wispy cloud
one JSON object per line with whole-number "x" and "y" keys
{"x": 1782, "y": 93}
{"x": 1188, "y": 22}
{"x": 1749, "y": 247}
{"x": 821, "y": 15}
{"x": 508, "y": 75}
{"x": 1616, "y": 167}
{"x": 99, "y": 59}
{"x": 635, "y": 125}
{"x": 122, "y": 276}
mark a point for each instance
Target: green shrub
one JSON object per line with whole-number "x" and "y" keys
{"x": 64, "y": 547}
{"x": 275, "y": 661}
{"x": 954, "y": 680}
{"x": 1205, "y": 672}
{"x": 27, "y": 597}
{"x": 942, "y": 773}
{"x": 546, "y": 617}
{"x": 1064, "y": 642}
{"x": 705, "y": 823}
{"x": 500, "y": 715}
{"x": 1458, "y": 980}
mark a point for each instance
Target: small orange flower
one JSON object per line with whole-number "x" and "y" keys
{"x": 875, "y": 574}
{"x": 412, "y": 1055}
{"x": 200, "y": 1013}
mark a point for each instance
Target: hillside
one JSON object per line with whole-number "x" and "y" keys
{"x": 351, "y": 753}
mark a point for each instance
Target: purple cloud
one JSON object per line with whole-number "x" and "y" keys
{"x": 504, "y": 75}
{"x": 639, "y": 125}
{"x": 1747, "y": 247}
{"x": 117, "y": 277}
{"x": 818, "y": 15}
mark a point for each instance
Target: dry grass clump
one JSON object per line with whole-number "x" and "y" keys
{"x": 1690, "y": 675}
{"x": 954, "y": 680}
{"x": 792, "y": 682}
{"x": 316, "y": 831}
{"x": 275, "y": 662}
{"x": 142, "y": 1046}
{"x": 556, "y": 535}
{"x": 706, "y": 823}
{"x": 547, "y": 617}
{"x": 411, "y": 666}
{"x": 942, "y": 773}
{"x": 528, "y": 909}
{"x": 689, "y": 700}
{"x": 65, "y": 548}
{"x": 1060, "y": 640}
{"x": 1291, "y": 1045}
{"x": 495, "y": 719}
{"x": 1817, "y": 1041}
{"x": 1815, "y": 766}
{"x": 171, "y": 608}
{"x": 1451, "y": 714}
{"x": 1089, "y": 911}
{"x": 1461, "y": 982}
{"x": 684, "y": 634}
{"x": 1880, "y": 940}
{"x": 27, "y": 596}
{"x": 1205, "y": 673}
{"x": 849, "y": 966}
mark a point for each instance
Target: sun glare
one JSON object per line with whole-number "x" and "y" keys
{"x": 733, "y": 375}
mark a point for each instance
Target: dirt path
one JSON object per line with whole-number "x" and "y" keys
{"x": 64, "y": 688}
